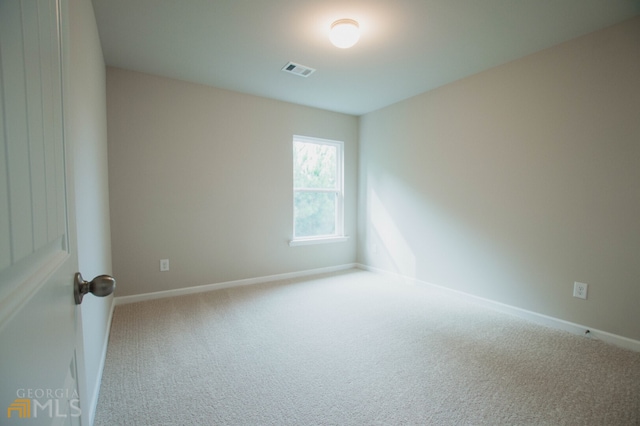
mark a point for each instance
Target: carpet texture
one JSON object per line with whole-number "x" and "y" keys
{"x": 354, "y": 348}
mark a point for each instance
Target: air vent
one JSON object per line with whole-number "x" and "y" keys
{"x": 298, "y": 69}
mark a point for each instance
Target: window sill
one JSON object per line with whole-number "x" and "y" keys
{"x": 323, "y": 240}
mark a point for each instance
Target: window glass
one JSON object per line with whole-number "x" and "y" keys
{"x": 317, "y": 188}
{"x": 314, "y": 165}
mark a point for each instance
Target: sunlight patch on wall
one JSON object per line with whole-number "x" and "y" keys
{"x": 388, "y": 239}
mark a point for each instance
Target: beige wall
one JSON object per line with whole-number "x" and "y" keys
{"x": 516, "y": 182}
{"x": 203, "y": 177}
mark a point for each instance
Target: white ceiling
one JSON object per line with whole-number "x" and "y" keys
{"x": 406, "y": 46}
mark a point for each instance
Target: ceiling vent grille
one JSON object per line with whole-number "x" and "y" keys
{"x": 297, "y": 69}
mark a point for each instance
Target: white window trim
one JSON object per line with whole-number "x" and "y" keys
{"x": 339, "y": 235}
{"x": 317, "y": 240}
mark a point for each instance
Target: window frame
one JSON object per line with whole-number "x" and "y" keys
{"x": 339, "y": 235}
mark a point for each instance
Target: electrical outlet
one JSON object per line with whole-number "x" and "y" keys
{"x": 164, "y": 265}
{"x": 580, "y": 290}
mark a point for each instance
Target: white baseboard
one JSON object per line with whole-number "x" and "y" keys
{"x": 531, "y": 316}
{"x": 122, "y": 300}
{"x": 93, "y": 405}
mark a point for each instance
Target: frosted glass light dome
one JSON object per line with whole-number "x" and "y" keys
{"x": 344, "y": 33}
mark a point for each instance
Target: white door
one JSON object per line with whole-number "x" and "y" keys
{"x": 38, "y": 256}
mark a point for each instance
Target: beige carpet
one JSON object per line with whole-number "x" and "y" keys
{"x": 354, "y": 348}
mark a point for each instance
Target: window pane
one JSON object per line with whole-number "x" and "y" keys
{"x": 314, "y": 214}
{"x": 314, "y": 165}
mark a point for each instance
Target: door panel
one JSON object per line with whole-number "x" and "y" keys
{"x": 37, "y": 250}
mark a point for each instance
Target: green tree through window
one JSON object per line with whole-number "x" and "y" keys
{"x": 317, "y": 181}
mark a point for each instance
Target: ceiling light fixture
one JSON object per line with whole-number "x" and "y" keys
{"x": 344, "y": 33}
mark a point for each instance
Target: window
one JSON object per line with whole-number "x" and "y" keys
{"x": 317, "y": 190}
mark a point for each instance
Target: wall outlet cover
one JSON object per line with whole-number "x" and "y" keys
{"x": 580, "y": 290}
{"x": 164, "y": 265}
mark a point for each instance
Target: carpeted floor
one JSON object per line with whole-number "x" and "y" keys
{"x": 354, "y": 348}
